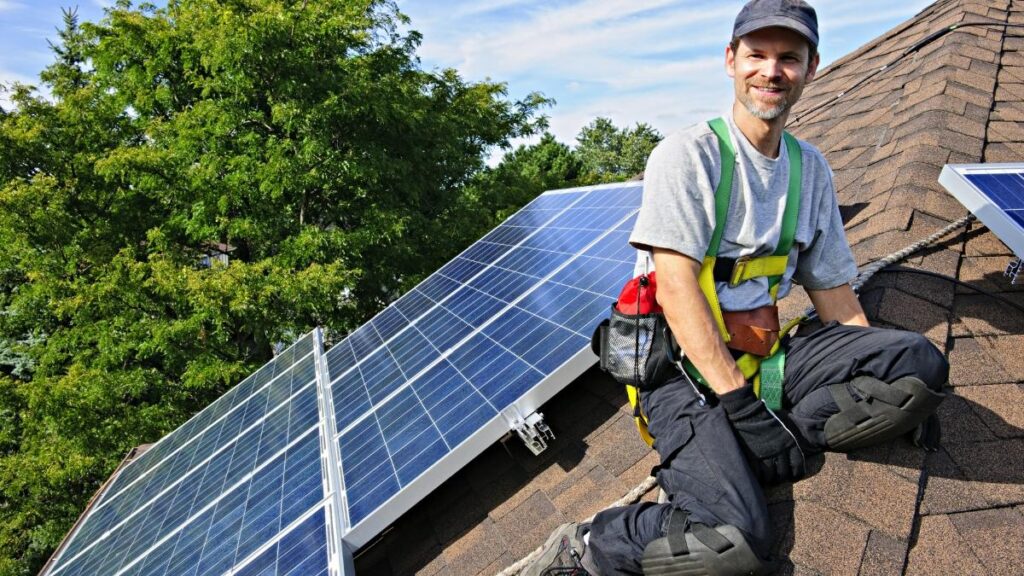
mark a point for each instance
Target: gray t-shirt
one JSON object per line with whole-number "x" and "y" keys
{"x": 678, "y": 213}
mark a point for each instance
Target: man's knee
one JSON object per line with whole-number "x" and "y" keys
{"x": 872, "y": 411}
{"x": 697, "y": 549}
{"x": 923, "y": 360}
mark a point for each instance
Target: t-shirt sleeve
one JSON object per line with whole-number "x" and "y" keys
{"x": 677, "y": 212}
{"x": 827, "y": 262}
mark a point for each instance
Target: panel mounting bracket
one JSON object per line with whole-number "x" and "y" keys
{"x": 1013, "y": 270}
{"x": 531, "y": 429}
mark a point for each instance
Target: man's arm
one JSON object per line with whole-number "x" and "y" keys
{"x": 839, "y": 303}
{"x": 691, "y": 321}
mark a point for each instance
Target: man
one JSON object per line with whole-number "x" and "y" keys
{"x": 846, "y": 385}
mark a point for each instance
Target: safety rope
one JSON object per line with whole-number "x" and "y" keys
{"x": 862, "y": 278}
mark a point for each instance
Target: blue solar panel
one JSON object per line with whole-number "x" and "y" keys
{"x": 224, "y": 467}
{"x": 995, "y": 194}
{"x": 479, "y": 334}
{"x": 300, "y": 552}
{"x": 257, "y": 482}
{"x": 1005, "y": 190}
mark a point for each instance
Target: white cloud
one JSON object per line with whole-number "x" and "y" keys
{"x": 6, "y": 5}
{"x": 654, "y": 61}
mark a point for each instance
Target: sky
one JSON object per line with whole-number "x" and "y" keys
{"x": 660, "y": 62}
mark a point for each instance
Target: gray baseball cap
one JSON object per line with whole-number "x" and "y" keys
{"x": 796, "y": 15}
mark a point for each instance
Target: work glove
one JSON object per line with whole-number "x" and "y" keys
{"x": 771, "y": 448}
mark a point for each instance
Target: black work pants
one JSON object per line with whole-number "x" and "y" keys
{"x": 703, "y": 468}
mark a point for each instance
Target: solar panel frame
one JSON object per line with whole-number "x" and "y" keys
{"x": 958, "y": 179}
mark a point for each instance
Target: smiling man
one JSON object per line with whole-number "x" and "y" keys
{"x": 735, "y": 211}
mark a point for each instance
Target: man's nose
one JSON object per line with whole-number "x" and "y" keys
{"x": 771, "y": 69}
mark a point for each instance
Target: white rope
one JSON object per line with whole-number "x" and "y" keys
{"x": 862, "y": 278}
{"x": 630, "y": 497}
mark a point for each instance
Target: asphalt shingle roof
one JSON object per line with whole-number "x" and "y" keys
{"x": 886, "y": 510}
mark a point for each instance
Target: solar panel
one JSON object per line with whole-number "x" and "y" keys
{"x": 317, "y": 452}
{"x": 995, "y": 194}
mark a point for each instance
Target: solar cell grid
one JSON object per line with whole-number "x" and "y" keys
{"x": 223, "y": 453}
{"x": 302, "y": 551}
{"x": 174, "y": 441}
{"x": 1005, "y": 190}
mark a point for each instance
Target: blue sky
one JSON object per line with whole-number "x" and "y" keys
{"x": 653, "y": 61}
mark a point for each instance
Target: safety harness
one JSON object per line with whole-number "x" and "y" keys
{"x": 767, "y": 371}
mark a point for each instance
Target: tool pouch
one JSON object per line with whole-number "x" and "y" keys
{"x": 632, "y": 346}
{"x": 754, "y": 331}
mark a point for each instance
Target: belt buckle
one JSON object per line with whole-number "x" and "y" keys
{"x": 738, "y": 268}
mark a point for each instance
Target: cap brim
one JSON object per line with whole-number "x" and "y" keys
{"x": 780, "y": 22}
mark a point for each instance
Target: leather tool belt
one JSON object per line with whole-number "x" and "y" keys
{"x": 754, "y": 331}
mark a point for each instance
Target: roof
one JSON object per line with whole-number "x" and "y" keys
{"x": 886, "y": 510}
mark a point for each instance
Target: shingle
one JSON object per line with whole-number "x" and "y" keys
{"x": 982, "y": 242}
{"x": 528, "y": 525}
{"x": 993, "y": 468}
{"x": 960, "y": 423}
{"x": 1004, "y": 152}
{"x": 618, "y": 446}
{"x": 986, "y": 272}
{"x": 947, "y": 489}
{"x": 941, "y": 550}
{"x": 980, "y": 315}
{"x": 821, "y": 550}
{"x": 1000, "y": 407}
{"x": 915, "y": 314}
{"x": 589, "y": 494}
{"x": 475, "y": 550}
{"x": 1005, "y": 132}
{"x": 995, "y": 536}
{"x": 883, "y": 555}
{"x": 971, "y": 362}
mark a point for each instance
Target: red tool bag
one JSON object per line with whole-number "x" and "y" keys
{"x": 631, "y": 342}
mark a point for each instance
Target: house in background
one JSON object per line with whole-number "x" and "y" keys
{"x": 886, "y": 510}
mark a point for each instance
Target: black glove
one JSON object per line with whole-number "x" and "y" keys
{"x": 771, "y": 448}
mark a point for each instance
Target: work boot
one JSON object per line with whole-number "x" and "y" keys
{"x": 563, "y": 554}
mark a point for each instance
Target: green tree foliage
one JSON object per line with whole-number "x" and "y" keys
{"x": 302, "y": 135}
{"x": 612, "y": 154}
{"x": 497, "y": 193}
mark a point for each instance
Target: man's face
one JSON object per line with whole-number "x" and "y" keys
{"x": 769, "y": 69}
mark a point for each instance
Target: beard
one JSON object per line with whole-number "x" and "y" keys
{"x": 762, "y": 110}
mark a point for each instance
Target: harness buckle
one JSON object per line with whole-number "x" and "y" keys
{"x": 738, "y": 268}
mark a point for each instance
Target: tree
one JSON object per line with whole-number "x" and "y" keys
{"x": 522, "y": 174}
{"x": 301, "y": 137}
{"x": 612, "y": 154}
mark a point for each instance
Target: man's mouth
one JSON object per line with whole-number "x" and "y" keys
{"x": 769, "y": 90}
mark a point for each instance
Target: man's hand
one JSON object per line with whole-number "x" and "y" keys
{"x": 690, "y": 319}
{"x": 771, "y": 448}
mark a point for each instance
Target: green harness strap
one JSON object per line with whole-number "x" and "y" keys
{"x": 767, "y": 372}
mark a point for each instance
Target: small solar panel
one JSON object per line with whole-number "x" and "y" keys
{"x": 995, "y": 194}
{"x": 313, "y": 455}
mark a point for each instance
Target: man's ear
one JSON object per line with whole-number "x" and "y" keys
{"x": 730, "y": 61}
{"x": 812, "y": 66}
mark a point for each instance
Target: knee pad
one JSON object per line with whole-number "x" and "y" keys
{"x": 883, "y": 412}
{"x": 700, "y": 550}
